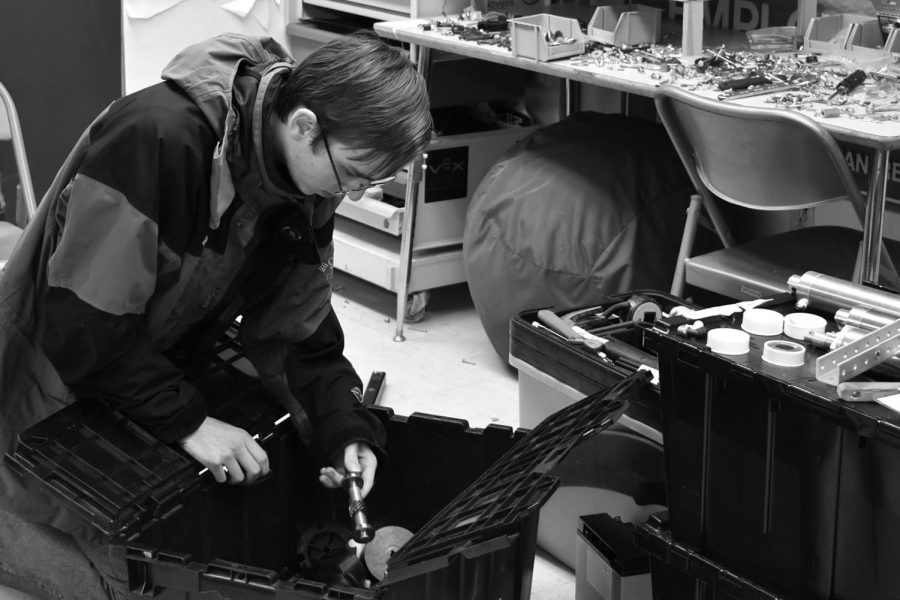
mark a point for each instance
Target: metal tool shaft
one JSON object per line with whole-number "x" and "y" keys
{"x": 363, "y": 533}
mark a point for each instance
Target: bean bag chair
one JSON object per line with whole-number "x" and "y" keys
{"x": 590, "y": 206}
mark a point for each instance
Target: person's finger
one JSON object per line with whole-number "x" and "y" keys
{"x": 218, "y": 472}
{"x": 351, "y": 458}
{"x": 330, "y": 477}
{"x": 368, "y": 476}
{"x": 235, "y": 474}
{"x": 248, "y": 464}
{"x": 260, "y": 456}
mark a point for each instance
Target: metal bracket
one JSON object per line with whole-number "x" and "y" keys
{"x": 858, "y": 357}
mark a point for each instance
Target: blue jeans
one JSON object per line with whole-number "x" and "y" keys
{"x": 48, "y": 563}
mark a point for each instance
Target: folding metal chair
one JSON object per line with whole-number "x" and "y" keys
{"x": 763, "y": 159}
{"x": 11, "y": 131}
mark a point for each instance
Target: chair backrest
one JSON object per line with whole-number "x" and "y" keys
{"x": 12, "y": 131}
{"x": 761, "y": 158}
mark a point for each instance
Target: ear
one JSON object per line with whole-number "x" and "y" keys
{"x": 302, "y": 122}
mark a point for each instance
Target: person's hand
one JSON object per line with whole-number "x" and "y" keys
{"x": 227, "y": 451}
{"x": 358, "y": 456}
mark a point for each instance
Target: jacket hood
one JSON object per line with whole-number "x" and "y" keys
{"x": 206, "y": 70}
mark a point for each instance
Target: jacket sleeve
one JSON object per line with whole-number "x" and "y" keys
{"x": 108, "y": 356}
{"x": 330, "y": 391}
{"x": 138, "y": 170}
{"x": 296, "y": 343}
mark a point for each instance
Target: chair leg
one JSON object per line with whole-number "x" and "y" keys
{"x": 687, "y": 244}
{"x": 857, "y": 265}
{"x": 887, "y": 272}
{"x": 718, "y": 221}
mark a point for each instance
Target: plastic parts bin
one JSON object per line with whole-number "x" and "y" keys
{"x": 545, "y": 37}
{"x": 469, "y": 495}
{"x": 771, "y": 475}
{"x": 626, "y": 24}
{"x": 610, "y": 565}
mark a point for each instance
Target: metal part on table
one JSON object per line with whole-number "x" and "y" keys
{"x": 875, "y": 311}
{"x": 853, "y": 359}
{"x": 864, "y": 318}
{"x": 849, "y": 83}
{"x": 773, "y": 88}
{"x": 829, "y": 293}
{"x": 866, "y": 391}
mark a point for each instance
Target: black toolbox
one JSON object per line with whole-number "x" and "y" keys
{"x": 772, "y": 476}
{"x": 567, "y": 370}
{"x": 469, "y": 496}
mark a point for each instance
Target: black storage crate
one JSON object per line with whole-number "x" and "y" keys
{"x": 770, "y": 474}
{"x": 679, "y": 572}
{"x": 470, "y": 496}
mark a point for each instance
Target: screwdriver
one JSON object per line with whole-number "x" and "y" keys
{"x": 849, "y": 83}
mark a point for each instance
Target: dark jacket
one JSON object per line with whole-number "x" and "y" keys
{"x": 168, "y": 221}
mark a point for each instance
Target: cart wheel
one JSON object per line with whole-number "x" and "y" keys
{"x": 415, "y": 306}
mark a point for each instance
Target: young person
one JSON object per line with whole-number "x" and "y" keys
{"x": 204, "y": 197}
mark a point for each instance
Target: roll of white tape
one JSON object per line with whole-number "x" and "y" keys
{"x": 762, "y": 321}
{"x": 784, "y": 353}
{"x": 800, "y": 325}
{"x": 728, "y": 341}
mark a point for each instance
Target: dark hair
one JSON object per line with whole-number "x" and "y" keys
{"x": 367, "y": 95}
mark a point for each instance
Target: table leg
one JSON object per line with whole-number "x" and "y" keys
{"x": 407, "y": 233}
{"x": 410, "y": 202}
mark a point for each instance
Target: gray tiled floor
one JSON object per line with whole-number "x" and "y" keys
{"x": 447, "y": 367}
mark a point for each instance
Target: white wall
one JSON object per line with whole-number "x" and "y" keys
{"x": 153, "y": 31}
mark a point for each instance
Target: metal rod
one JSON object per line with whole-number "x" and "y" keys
{"x": 831, "y": 294}
{"x": 863, "y": 318}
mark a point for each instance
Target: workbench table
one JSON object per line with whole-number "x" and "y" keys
{"x": 881, "y": 137}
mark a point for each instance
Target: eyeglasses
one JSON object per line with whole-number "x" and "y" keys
{"x": 341, "y": 189}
